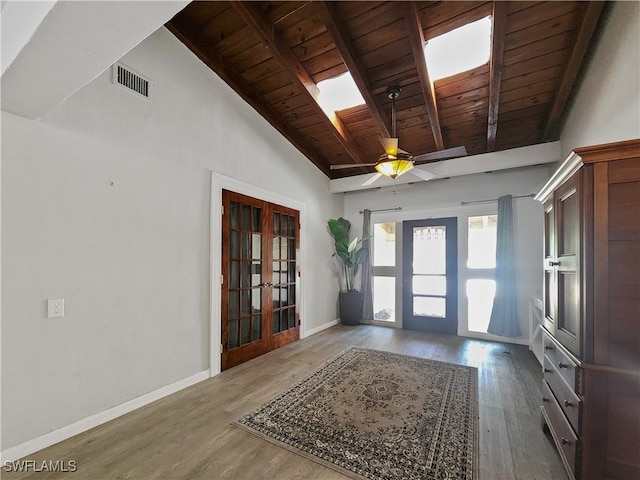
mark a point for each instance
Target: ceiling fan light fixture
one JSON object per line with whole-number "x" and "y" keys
{"x": 394, "y": 168}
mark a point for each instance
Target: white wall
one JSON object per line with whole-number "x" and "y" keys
{"x": 106, "y": 202}
{"x": 607, "y": 106}
{"x": 442, "y": 198}
{"x": 19, "y": 22}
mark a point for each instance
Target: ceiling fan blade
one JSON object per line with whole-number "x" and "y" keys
{"x": 423, "y": 174}
{"x": 446, "y": 153}
{"x": 351, "y": 165}
{"x": 372, "y": 179}
{"x": 390, "y": 145}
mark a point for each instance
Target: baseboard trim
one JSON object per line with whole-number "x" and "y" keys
{"x": 315, "y": 330}
{"x": 51, "y": 438}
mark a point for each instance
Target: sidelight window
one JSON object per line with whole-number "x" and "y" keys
{"x": 384, "y": 271}
{"x": 481, "y": 264}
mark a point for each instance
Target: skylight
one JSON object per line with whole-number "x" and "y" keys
{"x": 459, "y": 50}
{"x": 338, "y": 93}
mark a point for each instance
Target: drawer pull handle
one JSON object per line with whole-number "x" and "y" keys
{"x": 567, "y": 403}
{"x": 548, "y": 347}
{"x": 564, "y": 441}
{"x": 545, "y": 400}
{"x": 562, "y": 365}
{"x": 553, "y": 264}
{"x": 546, "y": 370}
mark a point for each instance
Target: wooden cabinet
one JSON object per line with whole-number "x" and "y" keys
{"x": 591, "y": 342}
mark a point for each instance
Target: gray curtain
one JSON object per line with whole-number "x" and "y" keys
{"x": 504, "y": 315}
{"x": 367, "y": 291}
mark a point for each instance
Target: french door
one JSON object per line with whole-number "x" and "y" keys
{"x": 260, "y": 242}
{"x": 430, "y": 275}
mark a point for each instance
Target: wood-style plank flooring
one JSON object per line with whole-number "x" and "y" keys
{"x": 189, "y": 435}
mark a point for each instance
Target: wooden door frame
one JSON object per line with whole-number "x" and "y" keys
{"x": 218, "y": 183}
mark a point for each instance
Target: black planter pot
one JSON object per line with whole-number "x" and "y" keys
{"x": 351, "y": 307}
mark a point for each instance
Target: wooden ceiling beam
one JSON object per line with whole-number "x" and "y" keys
{"x": 351, "y": 59}
{"x": 416, "y": 37}
{"x": 495, "y": 70}
{"x": 253, "y": 16}
{"x": 216, "y": 62}
{"x": 586, "y": 30}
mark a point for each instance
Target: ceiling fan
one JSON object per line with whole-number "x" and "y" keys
{"x": 395, "y": 161}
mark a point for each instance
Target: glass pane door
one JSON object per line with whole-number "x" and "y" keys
{"x": 430, "y": 275}
{"x": 260, "y": 282}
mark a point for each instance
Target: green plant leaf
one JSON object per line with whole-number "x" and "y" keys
{"x": 347, "y": 250}
{"x": 340, "y": 230}
{"x": 353, "y": 245}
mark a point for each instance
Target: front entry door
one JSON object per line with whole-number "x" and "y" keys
{"x": 430, "y": 275}
{"x": 260, "y": 242}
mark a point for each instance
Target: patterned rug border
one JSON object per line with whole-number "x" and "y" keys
{"x": 334, "y": 466}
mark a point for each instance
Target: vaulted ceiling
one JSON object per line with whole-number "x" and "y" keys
{"x": 273, "y": 54}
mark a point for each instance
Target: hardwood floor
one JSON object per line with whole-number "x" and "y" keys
{"x": 189, "y": 435}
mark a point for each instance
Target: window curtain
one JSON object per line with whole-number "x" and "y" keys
{"x": 367, "y": 291}
{"x": 504, "y": 314}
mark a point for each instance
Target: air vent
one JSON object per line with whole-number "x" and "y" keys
{"x": 132, "y": 81}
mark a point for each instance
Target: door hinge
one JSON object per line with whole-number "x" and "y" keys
{"x": 221, "y": 209}
{"x": 221, "y": 348}
{"x": 221, "y": 279}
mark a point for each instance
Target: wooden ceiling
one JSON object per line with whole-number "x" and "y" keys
{"x": 273, "y": 54}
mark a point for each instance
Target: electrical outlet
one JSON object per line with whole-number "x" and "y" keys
{"x": 55, "y": 307}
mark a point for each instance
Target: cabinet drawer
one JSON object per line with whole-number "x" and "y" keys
{"x": 567, "y": 368}
{"x": 569, "y": 402}
{"x": 563, "y": 436}
{"x": 561, "y": 360}
{"x": 549, "y": 347}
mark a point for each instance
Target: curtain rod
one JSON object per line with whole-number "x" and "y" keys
{"x": 495, "y": 199}
{"x": 396, "y": 209}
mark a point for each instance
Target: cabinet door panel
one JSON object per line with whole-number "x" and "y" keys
{"x": 550, "y": 272}
{"x": 569, "y": 308}
{"x": 567, "y": 264}
{"x": 569, "y": 224}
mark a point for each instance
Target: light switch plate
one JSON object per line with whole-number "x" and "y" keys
{"x": 55, "y": 307}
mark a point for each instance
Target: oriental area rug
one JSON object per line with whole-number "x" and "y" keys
{"x": 371, "y": 414}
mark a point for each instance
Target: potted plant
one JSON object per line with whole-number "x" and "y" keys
{"x": 350, "y": 254}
